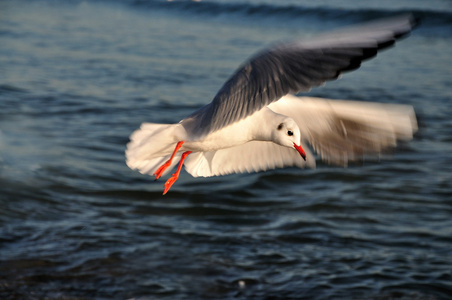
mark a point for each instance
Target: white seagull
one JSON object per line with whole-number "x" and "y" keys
{"x": 254, "y": 124}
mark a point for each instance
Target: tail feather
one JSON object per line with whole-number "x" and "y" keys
{"x": 152, "y": 145}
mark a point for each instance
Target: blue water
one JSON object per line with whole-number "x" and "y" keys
{"x": 77, "y": 77}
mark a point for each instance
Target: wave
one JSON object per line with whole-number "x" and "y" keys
{"x": 428, "y": 17}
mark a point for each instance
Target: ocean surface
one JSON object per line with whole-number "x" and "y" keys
{"x": 77, "y": 77}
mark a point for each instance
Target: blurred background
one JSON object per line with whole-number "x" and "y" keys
{"x": 77, "y": 77}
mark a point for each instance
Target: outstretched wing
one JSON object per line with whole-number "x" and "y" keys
{"x": 291, "y": 68}
{"x": 250, "y": 157}
{"x": 341, "y": 131}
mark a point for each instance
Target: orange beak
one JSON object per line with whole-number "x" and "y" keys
{"x": 300, "y": 150}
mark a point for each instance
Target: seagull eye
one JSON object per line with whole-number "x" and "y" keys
{"x": 289, "y": 133}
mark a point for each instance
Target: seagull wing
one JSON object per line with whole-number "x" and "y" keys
{"x": 294, "y": 67}
{"x": 341, "y": 131}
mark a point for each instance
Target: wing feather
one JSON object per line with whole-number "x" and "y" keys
{"x": 342, "y": 131}
{"x": 291, "y": 68}
{"x": 249, "y": 157}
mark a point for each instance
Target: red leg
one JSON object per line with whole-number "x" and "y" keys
{"x": 174, "y": 177}
{"x": 163, "y": 167}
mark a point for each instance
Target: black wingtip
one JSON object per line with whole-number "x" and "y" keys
{"x": 387, "y": 43}
{"x": 415, "y": 21}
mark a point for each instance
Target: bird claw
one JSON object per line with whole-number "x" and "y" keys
{"x": 169, "y": 182}
{"x": 163, "y": 167}
{"x": 175, "y": 176}
{"x": 160, "y": 170}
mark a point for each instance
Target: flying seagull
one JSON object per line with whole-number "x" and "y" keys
{"x": 254, "y": 123}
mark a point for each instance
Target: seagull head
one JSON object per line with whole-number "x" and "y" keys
{"x": 287, "y": 133}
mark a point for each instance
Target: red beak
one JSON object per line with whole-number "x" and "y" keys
{"x": 300, "y": 150}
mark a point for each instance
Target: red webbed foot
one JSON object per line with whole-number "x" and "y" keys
{"x": 163, "y": 167}
{"x": 169, "y": 183}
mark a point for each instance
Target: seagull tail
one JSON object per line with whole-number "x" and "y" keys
{"x": 152, "y": 145}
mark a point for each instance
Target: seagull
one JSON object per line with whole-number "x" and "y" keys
{"x": 255, "y": 123}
